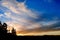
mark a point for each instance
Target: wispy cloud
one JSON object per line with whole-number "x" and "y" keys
{"x": 19, "y": 14}
{"x": 21, "y": 17}
{"x": 1, "y": 15}
{"x": 19, "y": 8}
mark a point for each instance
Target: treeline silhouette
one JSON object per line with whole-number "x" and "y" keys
{"x": 4, "y": 32}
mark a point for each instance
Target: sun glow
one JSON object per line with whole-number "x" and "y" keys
{"x": 40, "y": 33}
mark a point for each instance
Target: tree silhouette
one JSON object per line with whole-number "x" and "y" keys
{"x": 3, "y": 30}
{"x": 13, "y": 31}
{"x": 4, "y": 27}
{"x": 0, "y": 25}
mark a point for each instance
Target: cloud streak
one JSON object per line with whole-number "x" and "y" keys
{"x": 23, "y": 18}
{"x": 19, "y": 15}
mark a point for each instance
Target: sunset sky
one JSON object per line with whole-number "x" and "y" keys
{"x": 31, "y": 14}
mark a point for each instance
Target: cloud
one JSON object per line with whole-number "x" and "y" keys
{"x": 7, "y": 14}
{"x": 52, "y": 25}
{"x": 16, "y": 26}
{"x": 16, "y": 18}
{"x": 1, "y": 15}
{"x": 20, "y": 16}
{"x": 23, "y": 18}
{"x": 10, "y": 6}
{"x": 19, "y": 8}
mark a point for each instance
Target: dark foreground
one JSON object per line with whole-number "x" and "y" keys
{"x": 14, "y": 37}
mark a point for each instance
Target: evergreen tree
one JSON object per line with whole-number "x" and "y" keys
{"x": 4, "y": 25}
{"x": 13, "y": 31}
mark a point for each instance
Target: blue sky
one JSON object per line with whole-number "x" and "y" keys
{"x": 30, "y": 13}
{"x": 50, "y": 8}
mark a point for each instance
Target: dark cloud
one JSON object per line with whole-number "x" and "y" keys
{"x": 51, "y": 27}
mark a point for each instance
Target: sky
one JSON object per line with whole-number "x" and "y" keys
{"x": 30, "y": 14}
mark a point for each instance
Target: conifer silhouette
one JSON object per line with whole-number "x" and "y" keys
{"x": 13, "y": 31}
{"x": 3, "y": 30}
